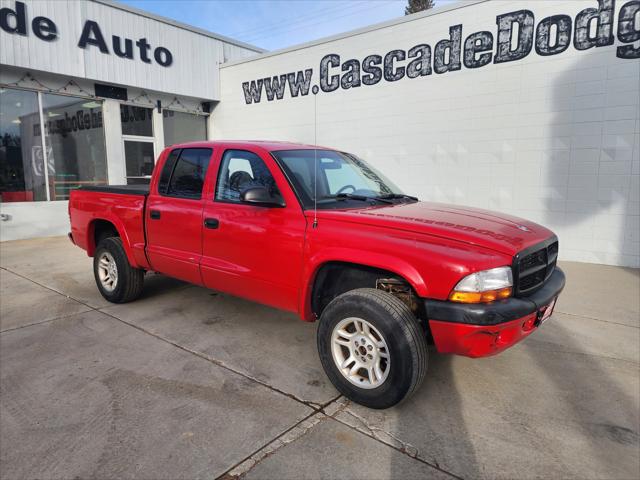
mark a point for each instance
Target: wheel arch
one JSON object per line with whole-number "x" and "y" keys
{"x": 100, "y": 228}
{"x": 332, "y": 277}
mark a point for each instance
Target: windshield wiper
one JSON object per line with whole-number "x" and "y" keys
{"x": 362, "y": 198}
{"x": 392, "y": 196}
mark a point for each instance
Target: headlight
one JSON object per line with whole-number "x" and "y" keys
{"x": 485, "y": 286}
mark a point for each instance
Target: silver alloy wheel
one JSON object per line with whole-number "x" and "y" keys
{"x": 360, "y": 353}
{"x": 107, "y": 271}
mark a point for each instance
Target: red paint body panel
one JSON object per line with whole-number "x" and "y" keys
{"x": 174, "y": 241}
{"x": 125, "y": 212}
{"x": 480, "y": 340}
{"x": 272, "y": 255}
{"x": 256, "y": 252}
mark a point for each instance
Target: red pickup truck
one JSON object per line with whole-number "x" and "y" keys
{"x": 321, "y": 233}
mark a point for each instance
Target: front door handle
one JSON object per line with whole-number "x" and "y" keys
{"x": 211, "y": 222}
{"x": 155, "y": 215}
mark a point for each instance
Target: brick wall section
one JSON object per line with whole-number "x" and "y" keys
{"x": 554, "y": 139}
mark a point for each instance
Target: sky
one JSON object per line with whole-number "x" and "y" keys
{"x": 275, "y": 24}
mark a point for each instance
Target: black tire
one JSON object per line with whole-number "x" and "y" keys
{"x": 405, "y": 339}
{"x": 130, "y": 280}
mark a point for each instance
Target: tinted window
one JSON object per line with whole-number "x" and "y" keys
{"x": 167, "y": 170}
{"x": 240, "y": 170}
{"x": 188, "y": 175}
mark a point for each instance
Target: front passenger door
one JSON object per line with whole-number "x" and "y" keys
{"x": 253, "y": 251}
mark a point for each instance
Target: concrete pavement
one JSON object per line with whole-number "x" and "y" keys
{"x": 189, "y": 383}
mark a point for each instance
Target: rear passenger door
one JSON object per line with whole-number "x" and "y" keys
{"x": 174, "y": 214}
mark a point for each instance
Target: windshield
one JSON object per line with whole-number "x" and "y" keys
{"x": 342, "y": 177}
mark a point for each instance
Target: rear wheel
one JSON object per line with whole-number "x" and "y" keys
{"x": 117, "y": 280}
{"x": 372, "y": 347}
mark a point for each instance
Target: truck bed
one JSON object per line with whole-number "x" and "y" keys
{"x": 123, "y": 206}
{"x": 118, "y": 189}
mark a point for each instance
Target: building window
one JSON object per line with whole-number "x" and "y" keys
{"x": 22, "y": 173}
{"x": 180, "y": 127}
{"x": 136, "y": 121}
{"x": 74, "y": 139}
{"x": 71, "y": 154}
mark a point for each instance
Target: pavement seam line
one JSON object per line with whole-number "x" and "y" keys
{"x": 598, "y": 319}
{"x": 216, "y": 362}
{"x": 52, "y": 289}
{"x": 316, "y": 411}
{"x": 402, "y": 447}
{"x": 294, "y": 433}
{"x": 44, "y": 321}
{"x": 315, "y": 407}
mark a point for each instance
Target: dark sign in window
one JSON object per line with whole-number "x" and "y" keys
{"x": 136, "y": 121}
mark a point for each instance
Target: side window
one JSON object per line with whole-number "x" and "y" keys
{"x": 167, "y": 170}
{"x": 188, "y": 174}
{"x": 240, "y": 170}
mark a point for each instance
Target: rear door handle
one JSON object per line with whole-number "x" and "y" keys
{"x": 155, "y": 215}
{"x": 211, "y": 222}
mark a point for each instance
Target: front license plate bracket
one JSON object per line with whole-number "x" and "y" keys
{"x": 545, "y": 312}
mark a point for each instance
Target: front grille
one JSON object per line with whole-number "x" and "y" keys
{"x": 533, "y": 266}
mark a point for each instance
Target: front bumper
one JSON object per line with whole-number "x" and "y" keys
{"x": 484, "y": 329}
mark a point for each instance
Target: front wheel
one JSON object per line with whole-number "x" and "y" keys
{"x": 117, "y": 280}
{"x": 372, "y": 347}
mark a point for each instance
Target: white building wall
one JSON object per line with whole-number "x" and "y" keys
{"x": 31, "y": 220}
{"x": 196, "y": 54}
{"x": 553, "y": 139}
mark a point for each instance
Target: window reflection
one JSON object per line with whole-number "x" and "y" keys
{"x": 22, "y": 176}
{"x": 75, "y": 144}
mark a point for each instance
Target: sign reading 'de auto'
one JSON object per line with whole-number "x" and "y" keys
{"x": 14, "y": 21}
{"x": 591, "y": 28}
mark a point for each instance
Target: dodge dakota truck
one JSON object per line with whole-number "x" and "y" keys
{"x": 319, "y": 232}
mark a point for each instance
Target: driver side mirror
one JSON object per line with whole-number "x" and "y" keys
{"x": 260, "y": 197}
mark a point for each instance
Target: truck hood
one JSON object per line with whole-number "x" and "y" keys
{"x": 496, "y": 231}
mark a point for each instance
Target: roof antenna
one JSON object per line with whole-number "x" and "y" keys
{"x": 315, "y": 157}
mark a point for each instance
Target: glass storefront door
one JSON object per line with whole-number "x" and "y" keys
{"x": 22, "y": 173}
{"x": 137, "y": 135}
{"x": 139, "y": 159}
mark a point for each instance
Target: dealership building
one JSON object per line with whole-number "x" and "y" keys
{"x": 528, "y": 108}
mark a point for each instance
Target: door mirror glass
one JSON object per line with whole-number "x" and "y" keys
{"x": 260, "y": 196}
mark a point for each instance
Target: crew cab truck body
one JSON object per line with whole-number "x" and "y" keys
{"x": 320, "y": 233}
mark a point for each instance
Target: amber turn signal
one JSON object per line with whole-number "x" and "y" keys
{"x": 480, "y": 297}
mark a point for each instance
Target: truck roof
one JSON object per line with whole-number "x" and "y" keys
{"x": 268, "y": 145}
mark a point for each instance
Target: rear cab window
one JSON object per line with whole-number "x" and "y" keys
{"x": 184, "y": 172}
